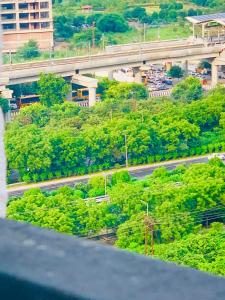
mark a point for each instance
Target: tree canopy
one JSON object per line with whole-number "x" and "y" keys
{"x": 186, "y": 204}
{"x": 188, "y": 90}
{"x": 52, "y": 89}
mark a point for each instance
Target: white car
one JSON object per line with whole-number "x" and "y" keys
{"x": 217, "y": 155}
{"x": 13, "y": 106}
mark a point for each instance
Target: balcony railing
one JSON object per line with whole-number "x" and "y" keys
{"x": 41, "y": 264}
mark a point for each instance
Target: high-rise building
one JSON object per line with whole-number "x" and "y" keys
{"x": 24, "y": 20}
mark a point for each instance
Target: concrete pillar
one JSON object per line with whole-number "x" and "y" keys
{"x": 203, "y": 31}
{"x": 185, "y": 67}
{"x": 69, "y": 95}
{"x": 138, "y": 78}
{"x": 110, "y": 75}
{"x": 214, "y": 75}
{"x": 136, "y": 70}
{"x": 92, "y": 96}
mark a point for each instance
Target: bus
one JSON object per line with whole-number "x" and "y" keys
{"x": 82, "y": 95}
{"x": 23, "y": 101}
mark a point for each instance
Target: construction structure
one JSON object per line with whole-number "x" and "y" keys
{"x": 211, "y": 28}
{"x": 24, "y": 20}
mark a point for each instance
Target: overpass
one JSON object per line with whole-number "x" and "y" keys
{"x": 124, "y": 56}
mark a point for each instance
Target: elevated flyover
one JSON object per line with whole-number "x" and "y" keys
{"x": 154, "y": 53}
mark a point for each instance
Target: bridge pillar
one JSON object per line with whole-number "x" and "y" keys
{"x": 69, "y": 95}
{"x": 90, "y": 83}
{"x": 214, "y": 74}
{"x": 138, "y": 78}
{"x": 110, "y": 75}
{"x": 92, "y": 96}
{"x": 185, "y": 67}
{"x": 5, "y": 92}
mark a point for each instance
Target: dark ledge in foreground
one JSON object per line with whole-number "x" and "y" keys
{"x": 38, "y": 264}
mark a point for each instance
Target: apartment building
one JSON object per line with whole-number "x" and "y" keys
{"x": 23, "y": 20}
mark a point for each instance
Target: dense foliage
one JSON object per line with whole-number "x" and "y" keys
{"x": 65, "y": 139}
{"x": 188, "y": 90}
{"x": 4, "y": 104}
{"x": 29, "y": 50}
{"x": 183, "y": 204}
{"x": 52, "y": 89}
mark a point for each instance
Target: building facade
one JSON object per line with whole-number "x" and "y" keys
{"x": 24, "y": 20}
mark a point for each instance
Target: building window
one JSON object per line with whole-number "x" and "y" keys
{"x": 23, "y": 6}
{"x": 45, "y": 25}
{"x": 34, "y": 16}
{"x": 44, "y": 15}
{"x": 7, "y": 6}
{"x": 8, "y": 17}
{"x": 24, "y": 26}
{"x": 24, "y": 16}
{"x": 44, "y": 5}
{"x": 9, "y": 27}
{"x": 34, "y": 26}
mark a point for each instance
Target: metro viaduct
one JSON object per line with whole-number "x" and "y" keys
{"x": 184, "y": 51}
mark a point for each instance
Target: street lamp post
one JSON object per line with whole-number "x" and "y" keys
{"x": 105, "y": 177}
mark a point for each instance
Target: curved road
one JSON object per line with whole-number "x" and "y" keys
{"x": 137, "y": 172}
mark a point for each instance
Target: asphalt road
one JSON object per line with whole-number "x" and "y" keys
{"x": 138, "y": 172}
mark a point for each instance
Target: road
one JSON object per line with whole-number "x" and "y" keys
{"x": 138, "y": 172}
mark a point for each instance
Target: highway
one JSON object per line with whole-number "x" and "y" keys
{"x": 67, "y": 67}
{"x": 138, "y": 172}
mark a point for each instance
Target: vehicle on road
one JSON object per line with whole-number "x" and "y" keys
{"x": 217, "y": 155}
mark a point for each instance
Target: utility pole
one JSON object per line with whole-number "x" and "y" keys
{"x": 126, "y": 150}
{"x": 146, "y": 237}
{"x": 103, "y": 42}
{"x": 144, "y": 32}
{"x": 93, "y": 35}
{"x": 158, "y": 32}
{"x": 89, "y": 50}
{"x": 149, "y": 226}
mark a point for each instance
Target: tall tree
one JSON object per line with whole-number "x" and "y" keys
{"x": 52, "y": 89}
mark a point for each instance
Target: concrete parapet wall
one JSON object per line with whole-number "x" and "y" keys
{"x": 39, "y": 264}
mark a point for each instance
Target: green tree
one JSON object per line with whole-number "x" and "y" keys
{"x": 85, "y": 38}
{"x": 120, "y": 177}
{"x": 123, "y": 91}
{"x": 4, "y": 104}
{"x": 96, "y": 186}
{"x": 188, "y": 90}
{"x": 176, "y": 72}
{"x": 29, "y": 50}
{"x": 112, "y": 23}
{"x": 52, "y": 89}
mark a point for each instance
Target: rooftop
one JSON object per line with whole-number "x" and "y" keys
{"x": 219, "y": 18}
